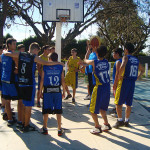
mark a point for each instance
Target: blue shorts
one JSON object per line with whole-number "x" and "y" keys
{"x": 100, "y": 98}
{"x": 39, "y": 80}
{"x": 0, "y": 87}
{"x": 124, "y": 92}
{"x": 9, "y": 91}
{"x": 28, "y": 95}
{"x": 52, "y": 103}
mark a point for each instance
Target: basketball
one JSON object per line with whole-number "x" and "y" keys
{"x": 95, "y": 42}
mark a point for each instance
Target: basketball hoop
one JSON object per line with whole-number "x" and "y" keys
{"x": 64, "y": 18}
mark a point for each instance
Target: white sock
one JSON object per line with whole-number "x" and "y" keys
{"x": 126, "y": 119}
{"x": 120, "y": 119}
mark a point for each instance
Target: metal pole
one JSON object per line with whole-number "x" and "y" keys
{"x": 58, "y": 40}
{"x": 146, "y": 70}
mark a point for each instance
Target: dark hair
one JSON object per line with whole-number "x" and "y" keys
{"x": 129, "y": 47}
{"x": 102, "y": 50}
{"x": 20, "y": 46}
{"x": 74, "y": 49}
{"x": 9, "y": 41}
{"x": 54, "y": 56}
{"x": 45, "y": 47}
{"x": 118, "y": 51}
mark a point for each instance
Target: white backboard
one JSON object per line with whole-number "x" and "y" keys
{"x": 53, "y": 8}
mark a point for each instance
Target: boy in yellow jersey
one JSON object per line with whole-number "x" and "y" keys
{"x": 44, "y": 56}
{"x": 128, "y": 74}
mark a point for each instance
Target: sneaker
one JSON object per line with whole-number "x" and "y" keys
{"x": 2, "y": 110}
{"x": 73, "y": 100}
{"x": 5, "y": 117}
{"x": 96, "y": 130}
{"x": 118, "y": 124}
{"x": 126, "y": 124}
{"x": 44, "y": 131}
{"x": 88, "y": 97}
{"x": 38, "y": 104}
{"x": 28, "y": 128}
{"x": 19, "y": 124}
{"x": 106, "y": 127}
{"x": 113, "y": 111}
{"x": 68, "y": 96}
{"x": 60, "y": 132}
{"x": 11, "y": 123}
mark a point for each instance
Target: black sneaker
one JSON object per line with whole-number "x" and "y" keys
{"x": 11, "y": 123}
{"x": 44, "y": 131}
{"x": 28, "y": 128}
{"x": 19, "y": 125}
{"x": 118, "y": 124}
{"x": 73, "y": 100}
{"x": 68, "y": 96}
{"x": 60, "y": 132}
{"x": 126, "y": 124}
{"x": 5, "y": 117}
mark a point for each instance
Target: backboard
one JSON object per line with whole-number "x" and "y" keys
{"x": 53, "y": 9}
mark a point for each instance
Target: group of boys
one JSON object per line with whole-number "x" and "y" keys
{"x": 125, "y": 73}
{"x": 18, "y": 82}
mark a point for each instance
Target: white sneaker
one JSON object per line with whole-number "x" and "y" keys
{"x": 106, "y": 127}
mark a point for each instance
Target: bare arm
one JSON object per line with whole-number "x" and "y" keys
{"x": 123, "y": 65}
{"x": 141, "y": 68}
{"x": 14, "y": 55}
{"x": 63, "y": 84}
{"x": 41, "y": 84}
{"x": 88, "y": 51}
{"x": 118, "y": 64}
{"x": 43, "y": 62}
{"x": 39, "y": 66}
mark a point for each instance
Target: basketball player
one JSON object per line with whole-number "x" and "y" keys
{"x": 52, "y": 79}
{"x": 128, "y": 74}
{"x": 44, "y": 56}
{"x": 101, "y": 92}
{"x": 26, "y": 75}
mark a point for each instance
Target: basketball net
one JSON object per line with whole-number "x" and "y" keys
{"x": 64, "y": 19}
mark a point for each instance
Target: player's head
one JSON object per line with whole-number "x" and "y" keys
{"x": 34, "y": 48}
{"x": 53, "y": 56}
{"x": 117, "y": 53}
{"x": 128, "y": 48}
{"x": 1, "y": 50}
{"x": 101, "y": 51}
{"x": 46, "y": 49}
{"x": 74, "y": 52}
{"x": 52, "y": 49}
{"x": 11, "y": 44}
{"x": 21, "y": 48}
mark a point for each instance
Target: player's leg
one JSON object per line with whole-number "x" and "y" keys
{"x": 38, "y": 98}
{"x": 68, "y": 93}
{"x": 58, "y": 121}
{"x": 73, "y": 98}
{"x": 20, "y": 110}
{"x": 8, "y": 109}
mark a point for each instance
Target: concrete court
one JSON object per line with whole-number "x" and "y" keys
{"x": 77, "y": 122}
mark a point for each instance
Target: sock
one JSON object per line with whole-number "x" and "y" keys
{"x": 120, "y": 119}
{"x": 126, "y": 119}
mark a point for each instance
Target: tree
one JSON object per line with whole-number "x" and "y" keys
{"x": 120, "y": 23}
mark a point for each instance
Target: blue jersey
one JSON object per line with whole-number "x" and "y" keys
{"x": 101, "y": 71}
{"x": 131, "y": 69}
{"x": 52, "y": 75}
{"x": 114, "y": 69}
{"x": 0, "y": 72}
{"x": 92, "y": 56}
{"x": 8, "y": 67}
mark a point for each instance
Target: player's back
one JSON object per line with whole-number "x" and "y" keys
{"x": 101, "y": 71}
{"x": 52, "y": 75}
{"x": 131, "y": 69}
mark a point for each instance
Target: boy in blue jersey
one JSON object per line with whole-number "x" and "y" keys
{"x": 26, "y": 79}
{"x": 128, "y": 74}
{"x": 9, "y": 91}
{"x": 52, "y": 79}
{"x": 101, "y": 92}
{"x": 90, "y": 55}
{"x": 117, "y": 55}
